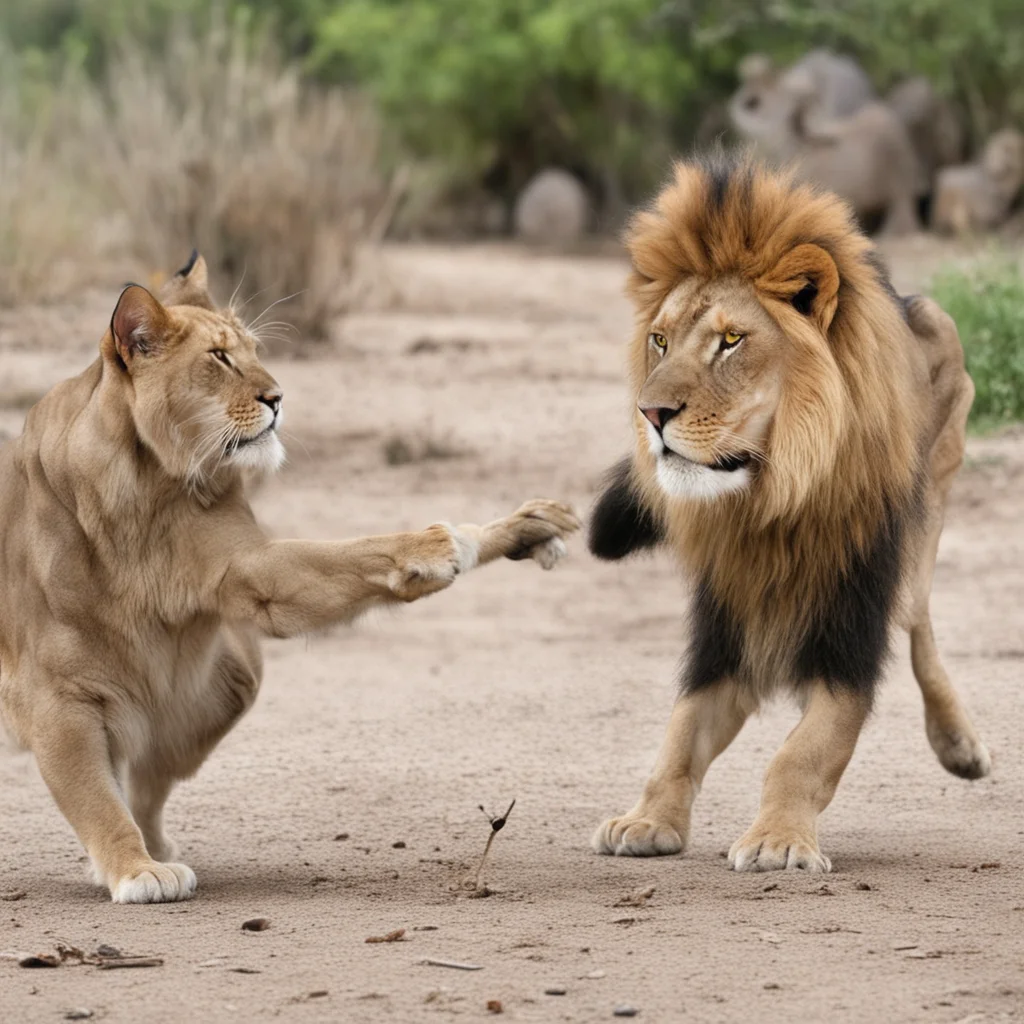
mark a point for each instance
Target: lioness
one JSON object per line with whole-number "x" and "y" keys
{"x": 798, "y": 426}
{"x": 134, "y": 581}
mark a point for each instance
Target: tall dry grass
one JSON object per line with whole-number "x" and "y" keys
{"x": 211, "y": 142}
{"x": 46, "y": 213}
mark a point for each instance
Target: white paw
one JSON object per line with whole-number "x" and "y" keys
{"x": 636, "y": 837}
{"x": 467, "y": 550}
{"x": 159, "y": 883}
{"x": 761, "y": 849}
{"x": 549, "y": 553}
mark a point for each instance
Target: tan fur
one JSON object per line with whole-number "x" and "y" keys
{"x": 851, "y": 410}
{"x": 135, "y": 582}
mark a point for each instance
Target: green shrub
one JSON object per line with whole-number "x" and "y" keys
{"x": 987, "y": 304}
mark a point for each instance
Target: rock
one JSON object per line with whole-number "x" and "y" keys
{"x": 625, "y": 1011}
{"x": 552, "y": 208}
{"x": 556, "y": 990}
{"x": 256, "y": 924}
{"x": 78, "y": 1014}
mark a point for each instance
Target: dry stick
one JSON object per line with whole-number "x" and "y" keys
{"x": 451, "y": 963}
{"x": 108, "y": 964}
{"x": 497, "y": 824}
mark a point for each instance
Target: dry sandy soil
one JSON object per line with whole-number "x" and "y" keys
{"x": 346, "y": 805}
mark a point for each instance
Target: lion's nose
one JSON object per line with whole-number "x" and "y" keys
{"x": 660, "y": 415}
{"x": 271, "y": 399}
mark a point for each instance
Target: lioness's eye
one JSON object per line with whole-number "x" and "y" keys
{"x": 219, "y": 353}
{"x": 731, "y": 339}
{"x": 658, "y": 341}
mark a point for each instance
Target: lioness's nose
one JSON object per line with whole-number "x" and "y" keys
{"x": 272, "y": 399}
{"x": 660, "y": 416}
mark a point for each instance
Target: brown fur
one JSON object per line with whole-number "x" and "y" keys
{"x": 135, "y": 582}
{"x": 854, "y": 408}
{"x": 853, "y": 396}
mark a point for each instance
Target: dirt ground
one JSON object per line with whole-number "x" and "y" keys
{"x": 346, "y": 804}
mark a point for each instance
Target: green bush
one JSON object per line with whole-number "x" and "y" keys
{"x": 987, "y": 304}
{"x": 493, "y": 90}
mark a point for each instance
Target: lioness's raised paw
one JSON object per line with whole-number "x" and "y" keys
{"x": 636, "y": 836}
{"x": 535, "y": 530}
{"x": 434, "y": 558}
{"x": 155, "y": 883}
{"x": 765, "y": 847}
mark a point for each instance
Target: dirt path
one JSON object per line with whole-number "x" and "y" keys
{"x": 345, "y": 805}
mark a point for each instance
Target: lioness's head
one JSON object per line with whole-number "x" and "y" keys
{"x": 198, "y": 394}
{"x": 767, "y": 339}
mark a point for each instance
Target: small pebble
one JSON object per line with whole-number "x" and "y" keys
{"x": 771, "y": 986}
{"x": 494, "y": 1006}
{"x": 556, "y": 990}
{"x": 625, "y": 1011}
{"x": 400, "y": 845}
{"x": 256, "y": 924}
{"x": 80, "y": 1014}
{"x": 594, "y": 975}
{"x": 318, "y": 994}
{"x": 863, "y": 887}
{"x": 341, "y": 837}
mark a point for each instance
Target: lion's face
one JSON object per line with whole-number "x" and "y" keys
{"x": 200, "y": 397}
{"x": 716, "y": 364}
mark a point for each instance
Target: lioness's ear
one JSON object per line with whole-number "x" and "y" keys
{"x": 807, "y": 278}
{"x": 139, "y": 324}
{"x": 190, "y": 285}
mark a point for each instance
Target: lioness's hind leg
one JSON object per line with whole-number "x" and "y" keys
{"x": 950, "y": 731}
{"x": 702, "y": 725}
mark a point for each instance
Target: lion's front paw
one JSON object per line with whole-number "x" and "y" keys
{"x": 536, "y": 530}
{"x": 155, "y": 883}
{"x": 637, "y": 836}
{"x": 767, "y": 847}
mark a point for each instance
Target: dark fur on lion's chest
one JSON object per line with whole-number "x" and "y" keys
{"x": 845, "y": 641}
{"x": 846, "y": 636}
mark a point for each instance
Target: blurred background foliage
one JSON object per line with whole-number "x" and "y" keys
{"x": 495, "y": 89}
{"x": 134, "y": 125}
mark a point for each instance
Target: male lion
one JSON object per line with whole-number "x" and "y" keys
{"x": 134, "y": 581}
{"x": 798, "y": 426}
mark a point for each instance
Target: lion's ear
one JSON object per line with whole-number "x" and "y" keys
{"x": 807, "y": 278}
{"x": 190, "y": 285}
{"x": 139, "y": 324}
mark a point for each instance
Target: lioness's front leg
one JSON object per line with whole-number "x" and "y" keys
{"x": 703, "y": 723}
{"x": 292, "y": 587}
{"x": 800, "y": 784}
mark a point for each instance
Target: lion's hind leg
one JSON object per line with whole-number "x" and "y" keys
{"x": 949, "y": 728}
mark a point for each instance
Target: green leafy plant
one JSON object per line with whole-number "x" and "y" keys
{"x": 987, "y": 303}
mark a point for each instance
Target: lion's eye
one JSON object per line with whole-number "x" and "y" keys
{"x": 731, "y": 339}
{"x": 659, "y": 341}
{"x": 221, "y": 355}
